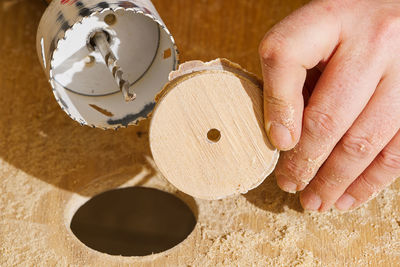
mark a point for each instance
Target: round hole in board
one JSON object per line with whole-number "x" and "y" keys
{"x": 134, "y": 221}
{"x": 110, "y": 19}
{"x": 214, "y": 135}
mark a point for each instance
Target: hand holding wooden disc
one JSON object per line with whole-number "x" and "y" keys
{"x": 207, "y": 131}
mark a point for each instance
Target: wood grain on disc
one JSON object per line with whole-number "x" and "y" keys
{"x": 207, "y": 132}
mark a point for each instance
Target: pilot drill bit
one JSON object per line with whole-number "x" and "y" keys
{"x": 101, "y": 43}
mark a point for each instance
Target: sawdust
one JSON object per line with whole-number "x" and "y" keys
{"x": 235, "y": 248}
{"x": 275, "y": 231}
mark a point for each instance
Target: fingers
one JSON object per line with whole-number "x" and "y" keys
{"x": 382, "y": 172}
{"x": 340, "y": 95}
{"x": 311, "y": 80}
{"x": 373, "y": 129}
{"x": 286, "y": 53}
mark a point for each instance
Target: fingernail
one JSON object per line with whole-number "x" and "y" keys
{"x": 345, "y": 202}
{"x": 286, "y": 185}
{"x": 280, "y": 136}
{"x": 310, "y": 201}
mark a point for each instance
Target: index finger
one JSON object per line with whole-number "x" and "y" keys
{"x": 302, "y": 40}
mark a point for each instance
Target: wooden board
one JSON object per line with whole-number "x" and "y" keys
{"x": 49, "y": 165}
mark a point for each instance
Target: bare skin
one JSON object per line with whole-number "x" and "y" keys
{"x": 332, "y": 100}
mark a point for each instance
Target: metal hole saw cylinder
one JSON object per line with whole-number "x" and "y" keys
{"x": 105, "y": 60}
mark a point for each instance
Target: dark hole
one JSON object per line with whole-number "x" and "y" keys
{"x": 110, "y": 19}
{"x": 92, "y": 42}
{"x": 135, "y": 221}
{"x": 214, "y": 135}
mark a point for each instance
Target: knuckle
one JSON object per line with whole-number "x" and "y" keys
{"x": 298, "y": 173}
{"x": 328, "y": 183}
{"x": 390, "y": 159}
{"x": 294, "y": 170}
{"x": 319, "y": 124}
{"x": 387, "y": 29}
{"x": 276, "y": 102}
{"x": 358, "y": 147}
{"x": 368, "y": 188}
{"x": 274, "y": 50}
{"x": 390, "y": 24}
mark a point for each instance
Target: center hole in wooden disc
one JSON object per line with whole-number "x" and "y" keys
{"x": 110, "y": 19}
{"x": 135, "y": 221}
{"x": 214, "y": 135}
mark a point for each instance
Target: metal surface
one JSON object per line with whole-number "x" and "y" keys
{"x": 94, "y": 84}
{"x": 102, "y": 44}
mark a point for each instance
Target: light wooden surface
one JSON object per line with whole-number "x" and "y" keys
{"x": 202, "y": 99}
{"x": 49, "y": 165}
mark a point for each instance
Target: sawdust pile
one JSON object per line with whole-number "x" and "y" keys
{"x": 268, "y": 226}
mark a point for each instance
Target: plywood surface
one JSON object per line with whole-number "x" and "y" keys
{"x": 49, "y": 165}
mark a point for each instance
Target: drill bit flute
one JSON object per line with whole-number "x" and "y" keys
{"x": 101, "y": 43}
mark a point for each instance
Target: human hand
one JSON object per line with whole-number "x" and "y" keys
{"x": 342, "y": 140}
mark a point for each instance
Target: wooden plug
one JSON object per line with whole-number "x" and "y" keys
{"x": 207, "y": 131}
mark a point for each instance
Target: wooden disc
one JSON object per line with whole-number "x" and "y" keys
{"x": 207, "y": 132}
